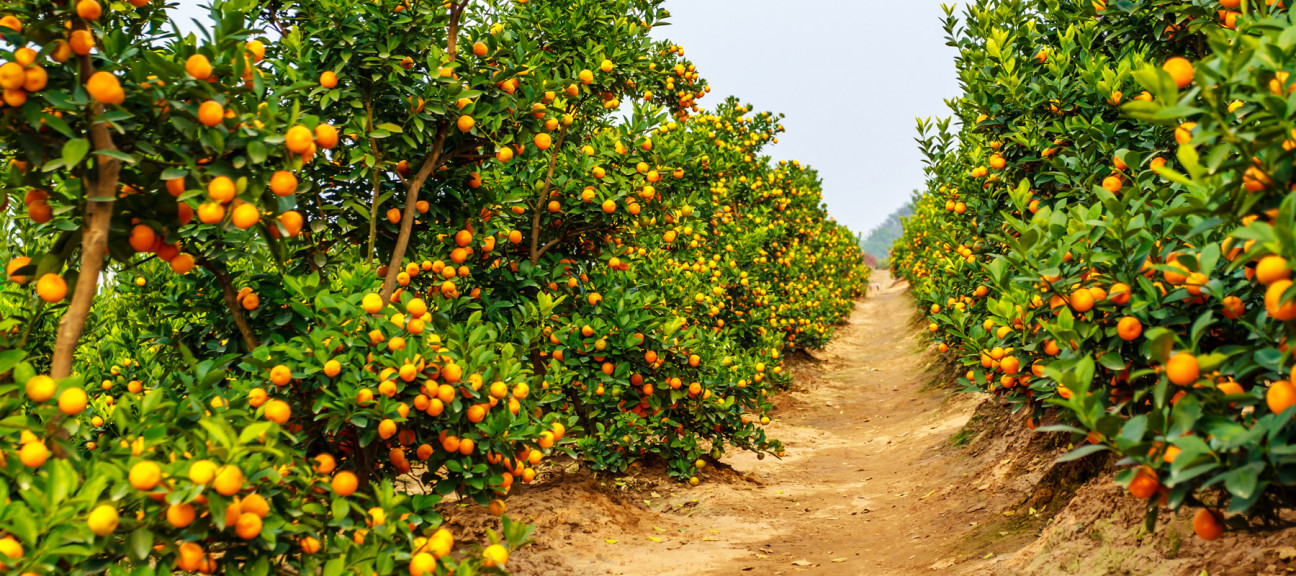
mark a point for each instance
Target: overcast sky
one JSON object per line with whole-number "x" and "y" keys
{"x": 851, "y": 76}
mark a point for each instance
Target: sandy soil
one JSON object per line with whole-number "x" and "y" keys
{"x": 888, "y": 472}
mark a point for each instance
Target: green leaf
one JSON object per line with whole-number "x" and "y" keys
{"x": 74, "y": 151}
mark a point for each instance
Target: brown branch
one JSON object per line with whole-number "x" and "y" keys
{"x": 101, "y": 191}
{"x": 544, "y": 193}
{"x": 231, "y": 301}
{"x": 431, "y": 163}
{"x": 407, "y": 218}
{"x": 565, "y": 235}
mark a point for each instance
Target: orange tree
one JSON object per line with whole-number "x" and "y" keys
{"x": 260, "y": 395}
{"x": 1109, "y": 233}
{"x": 112, "y": 129}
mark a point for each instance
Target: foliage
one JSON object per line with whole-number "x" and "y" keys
{"x": 576, "y": 259}
{"x": 1108, "y": 232}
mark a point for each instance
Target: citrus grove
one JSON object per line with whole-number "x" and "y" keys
{"x": 275, "y": 289}
{"x": 1107, "y": 238}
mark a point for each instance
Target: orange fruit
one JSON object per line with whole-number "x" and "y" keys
{"x": 248, "y": 526}
{"x": 180, "y": 515}
{"x": 142, "y": 238}
{"x": 33, "y": 454}
{"x": 211, "y": 213}
{"x": 1271, "y": 269}
{"x": 103, "y": 520}
{"x": 15, "y": 265}
{"x": 228, "y": 480}
{"x": 465, "y": 123}
{"x": 245, "y": 216}
{"x": 1145, "y": 484}
{"x": 40, "y": 388}
{"x": 1082, "y": 300}
{"x": 345, "y": 483}
{"x": 326, "y": 136}
{"x": 202, "y": 472}
{"x": 1182, "y": 369}
{"x": 1280, "y": 396}
{"x": 1277, "y": 308}
{"x": 299, "y": 139}
{"x": 221, "y": 189}
{"x": 1129, "y": 328}
{"x": 1208, "y": 525}
{"x": 211, "y": 113}
{"x": 72, "y": 401}
{"x": 145, "y": 475}
{"x": 80, "y": 42}
{"x": 278, "y": 411}
{"x": 494, "y": 556}
{"x": 198, "y": 66}
{"x": 1180, "y": 70}
{"x": 105, "y": 88}
{"x": 52, "y": 288}
{"x": 255, "y": 504}
{"x": 328, "y": 79}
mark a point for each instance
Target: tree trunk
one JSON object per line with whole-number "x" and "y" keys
{"x": 101, "y": 192}
{"x": 231, "y": 300}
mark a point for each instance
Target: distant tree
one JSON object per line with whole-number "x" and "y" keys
{"x": 878, "y": 241}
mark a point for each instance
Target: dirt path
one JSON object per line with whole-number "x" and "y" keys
{"x": 864, "y": 489}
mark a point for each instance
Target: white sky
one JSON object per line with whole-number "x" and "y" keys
{"x": 851, "y": 76}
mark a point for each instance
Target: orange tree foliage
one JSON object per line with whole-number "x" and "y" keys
{"x": 1110, "y": 233}
{"x": 275, "y": 289}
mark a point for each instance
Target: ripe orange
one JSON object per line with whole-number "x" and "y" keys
{"x": 543, "y": 141}
{"x": 198, "y": 66}
{"x": 465, "y": 123}
{"x": 328, "y": 79}
{"x": 495, "y": 555}
{"x": 1271, "y": 269}
{"x": 299, "y": 139}
{"x": 1180, "y": 70}
{"x": 255, "y": 504}
{"x": 20, "y": 262}
{"x": 1280, "y": 396}
{"x": 345, "y": 483}
{"x": 1277, "y": 308}
{"x": 80, "y": 42}
{"x": 89, "y": 9}
{"x": 105, "y": 88}
{"x": 180, "y": 515}
{"x": 228, "y": 480}
{"x": 278, "y": 411}
{"x": 72, "y": 401}
{"x": 245, "y": 216}
{"x": 103, "y": 520}
{"x": 142, "y": 238}
{"x": 211, "y": 113}
{"x": 1145, "y": 484}
{"x": 248, "y": 526}
{"x": 1082, "y": 300}
{"x": 283, "y": 183}
{"x": 1208, "y": 525}
{"x": 145, "y": 475}
{"x": 221, "y": 189}
{"x": 1182, "y": 369}
{"x": 40, "y": 388}
{"x": 326, "y": 136}
{"x": 1129, "y": 328}
{"x": 33, "y": 454}
{"x": 202, "y": 472}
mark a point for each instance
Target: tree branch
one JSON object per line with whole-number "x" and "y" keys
{"x": 544, "y": 193}
{"x": 101, "y": 192}
{"x": 231, "y": 301}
